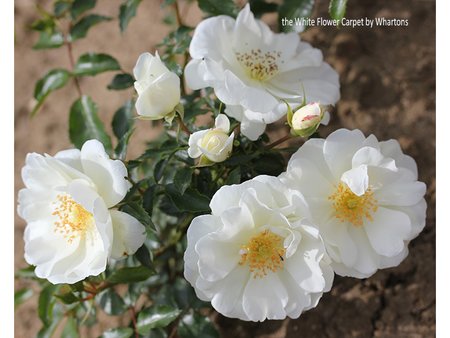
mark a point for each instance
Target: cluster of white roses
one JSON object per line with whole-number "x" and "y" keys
{"x": 270, "y": 247}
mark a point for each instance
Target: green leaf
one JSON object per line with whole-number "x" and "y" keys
{"x": 123, "y": 119}
{"x": 27, "y": 272}
{"x": 49, "y": 40}
{"x": 81, "y": 28}
{"x": 234, "y": 177}
{"x": 21, "y": 296}
{"x": 130, "y": 275}
{"x": 66, "y": 295}
{"x": 53, "y": 80}
{"x": 48, "y": 331}
{"x": 137, "y": 211}
{"x": 144, "y": 256}
{"x": 121, "y": 81}
{"x": 46, "y": 303}
{"x": 260, "y": 7}
{"x": 182, "y": 179}
{"x": 127, "y": 12}
{"x": 292, "y": 9}
{"x": 92, "y": 64}
{"x": 81, "y": 6}
{"x": 111, "y": 302}
{"x": 156, "y": 316}
{"x": 61, "y": 7}
{"x": 70, "y": 329}
{"x": 159, "y": 169}
{"x": 218, "y": 7}
{"x": 121, "y": 149}
{"x": 337, "y": 9}
{"x": 191, "y": 200}
{"x": 84, "y": 124}
{"x": 121, "y": 332}
{"x": 196, "y": 325}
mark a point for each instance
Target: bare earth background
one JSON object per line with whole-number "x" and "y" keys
{"x": 387, "y": 79}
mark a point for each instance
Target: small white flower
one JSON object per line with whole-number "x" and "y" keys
{"x": 364, "y": 196}
{"x": 213, "y": 145}
{"x": 305, "y": 121}
{"x": 256, "y": 256}
{"x": 252, "y": 69}
{"x": 71, "y": 232}
{"x": 157, "y": 87}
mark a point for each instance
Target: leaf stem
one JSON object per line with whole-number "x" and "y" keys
{"x": 133, "y": 319}
{"x": 72, "y": 65}
{"x": 277, "y": 142}
{"x": 182, "y": 125}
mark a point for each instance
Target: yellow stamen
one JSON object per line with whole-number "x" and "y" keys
{"x": 263, "y": 253}
{"x": 352, "y": 208}
{"x": 259, "y": 66}
{"x": 74, "y": 220}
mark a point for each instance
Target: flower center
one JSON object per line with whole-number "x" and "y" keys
{"x": 263, "y": 253}
{"x": 353, "y": 208}
{"x": 74, "y": 220}
{"x": 214, "y": 140}
{"x": 259, "y": 66}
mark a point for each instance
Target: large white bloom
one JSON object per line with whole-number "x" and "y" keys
{"x": 157, "y": 87}
{"x": 71, "y": 232}
{"x": 251, "y": 69}
{"x": 256, "y": 256}
{"x": 364, "y": 196}
{"x": 212, "y": 145}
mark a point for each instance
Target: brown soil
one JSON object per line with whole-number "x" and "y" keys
{"x": 387, "y": 79}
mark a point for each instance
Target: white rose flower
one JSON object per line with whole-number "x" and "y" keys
{"x": 213, "y": 145}
{"x": 157, "y": 87}
{"x": 363, "y": 195}
{"x": 251, "y": 69}
{"x": 71, "y": 232}
{"x": 305, "y": 121}
{"x": 256, "y": 256}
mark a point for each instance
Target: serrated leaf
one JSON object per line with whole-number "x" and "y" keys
{"x": 123, "y": 119}
{"x": 292, "y": 9}
{"x": 137, "y": 211}
{"x": 337, "y": 9}
{"x": 21, "y": 296}
{"x": 92, "y": 64}
{"x": 49, "y": 40}
{"x": 111, "y": 302}
{"x": 46, "y": 303}
{"x": 121, "y": 81}
{"x": 122, "y": 332}
{"x": 53, "y": 80}
{"x": 130, "y": 275}
{"x": 81, "y": 28}
{"x": 195, "y": 325}
{"x": 127, "y": 12}
{"x": 70, "y": 329}
{"x": 84, "y": 124}
{"x": 81, "y": 6}
{"x": 219, "y": 7}
{"x": 191, "y": 200}
{"x": 182, "y": 179}
{"x": 155, "y": 317}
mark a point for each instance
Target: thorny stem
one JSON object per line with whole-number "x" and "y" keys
{"x": 186, "y": 55}
{"x": 277, "y": 142}
{"x": 133, "y": 319}
{"x": 72, "y": 65}
{"x": 183, "y": 126}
